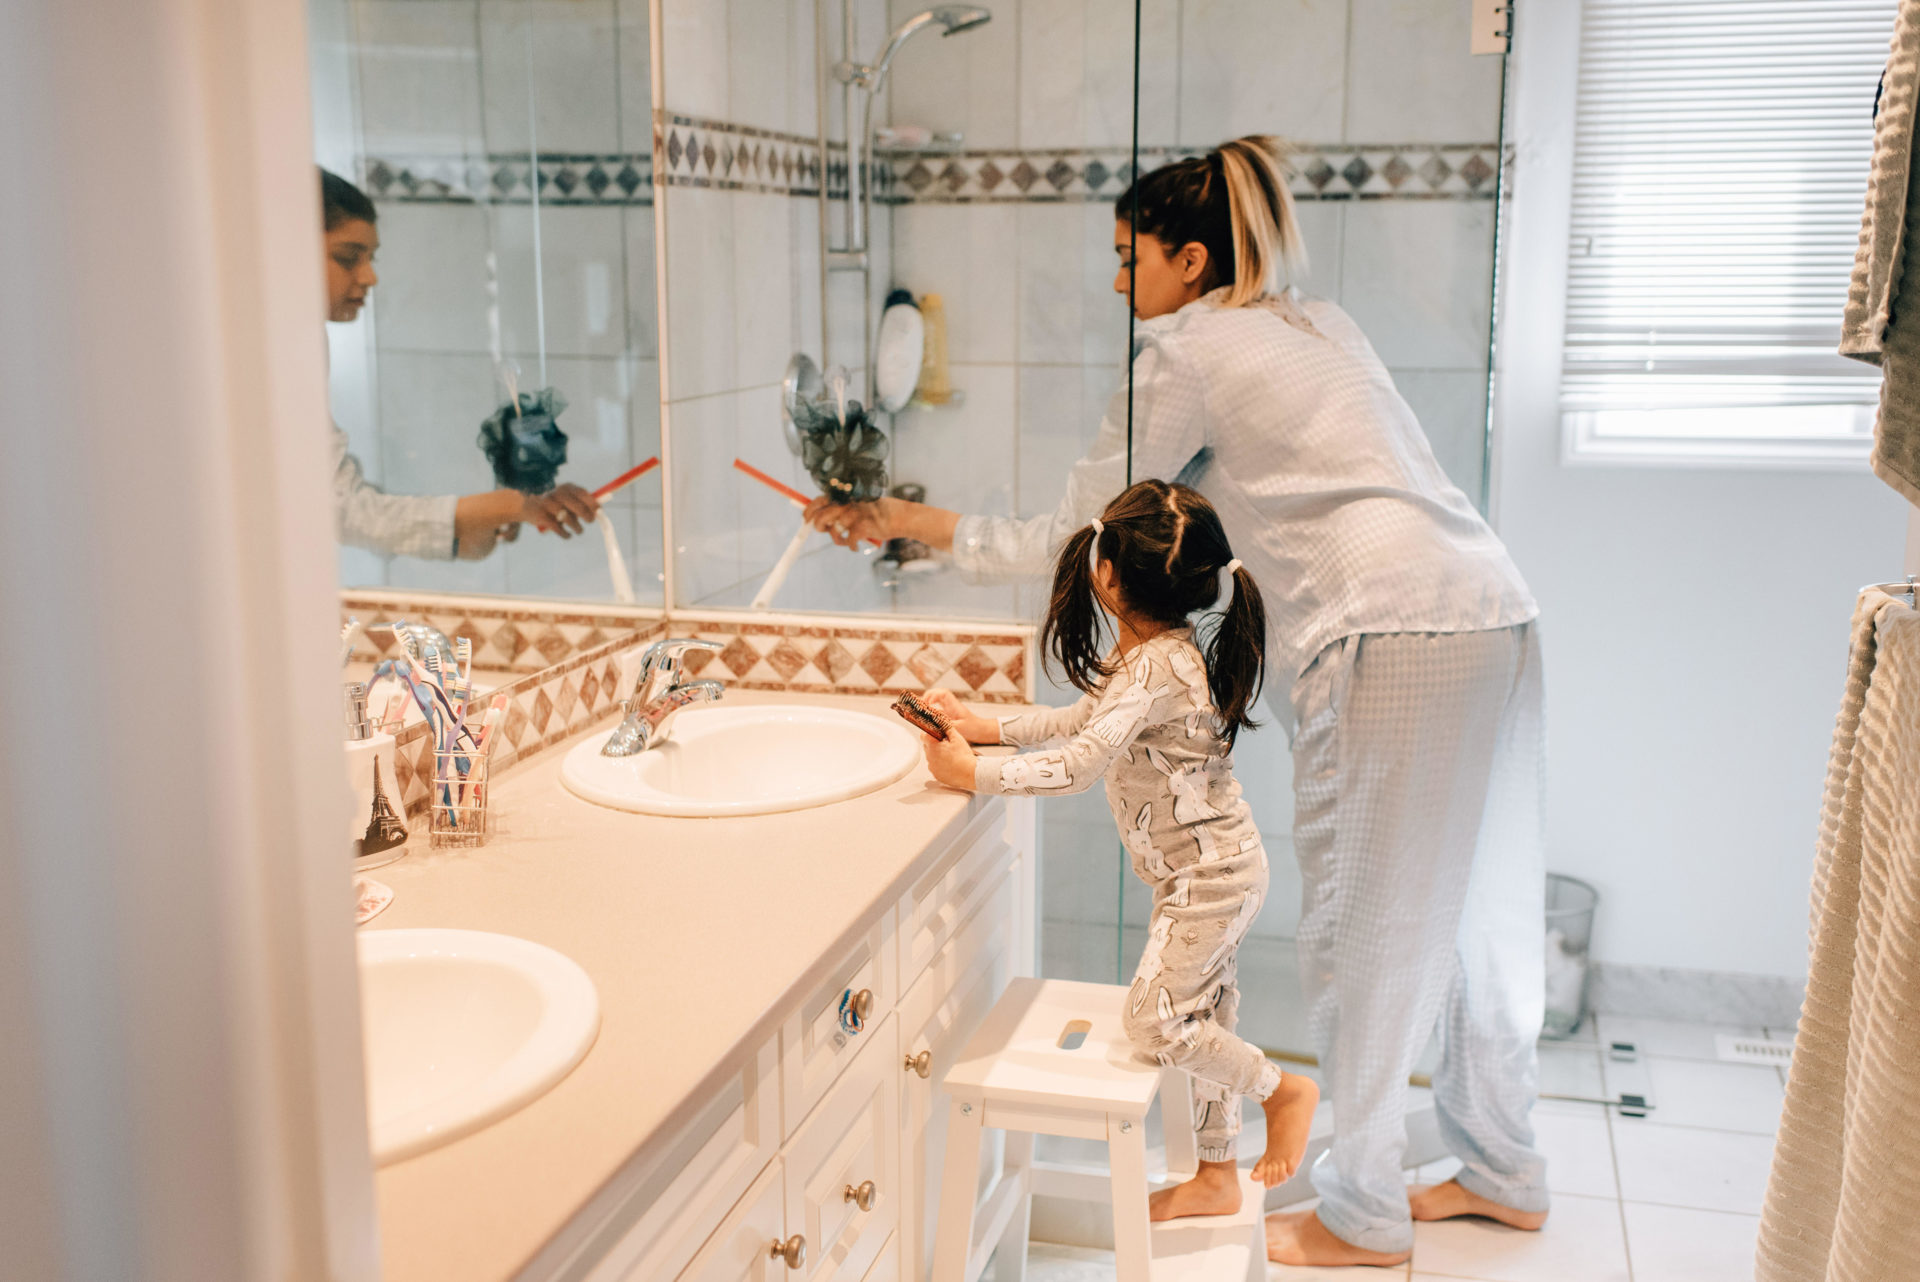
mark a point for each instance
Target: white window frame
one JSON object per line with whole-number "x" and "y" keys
{"x": 1719, "y": 438}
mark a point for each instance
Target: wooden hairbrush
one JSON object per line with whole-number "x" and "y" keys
{"x": 920, "y": 716}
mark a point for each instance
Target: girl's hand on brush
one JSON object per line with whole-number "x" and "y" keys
{"x": 973, "y": 729}
{"x": 951, "y": 761}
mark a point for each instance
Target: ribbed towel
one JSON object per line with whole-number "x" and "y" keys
{"x": 1886, "y": 280}
{"x": 1846, "y": 1166}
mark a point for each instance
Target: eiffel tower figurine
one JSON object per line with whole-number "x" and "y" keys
{"x": 386, "y": 829}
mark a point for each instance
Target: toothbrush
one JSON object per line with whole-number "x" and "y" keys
{"x": 483, "y": 746}
{"x": 792, "y": 496}
{"x": 619, "y": 482}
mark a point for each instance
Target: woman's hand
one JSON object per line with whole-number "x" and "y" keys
{"x": 851, "y": 524}
{"x": 959, "y": 717}
{"x": 951, "y": 760}
{"x": 565, "y": 509}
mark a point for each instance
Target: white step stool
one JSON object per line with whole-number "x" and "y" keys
{"x": 1052, "y": 1058}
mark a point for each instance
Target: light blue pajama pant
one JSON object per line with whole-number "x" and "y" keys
{"x": 1418, "y": 776}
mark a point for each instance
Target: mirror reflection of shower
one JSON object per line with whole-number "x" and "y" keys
{"x": 952, "y": 19}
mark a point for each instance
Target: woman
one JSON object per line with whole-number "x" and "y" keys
{"x": 444, "y": 526}
{"x": 1405, "y": 635}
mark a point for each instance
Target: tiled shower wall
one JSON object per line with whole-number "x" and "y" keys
{"x": 433, "y": 105}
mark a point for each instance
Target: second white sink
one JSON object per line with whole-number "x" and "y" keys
{"x": 463, "y": 1027}
{"x": 749, "y": 760}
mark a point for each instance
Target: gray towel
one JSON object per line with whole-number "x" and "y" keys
{"x": 1840, "y": 1203}
{"x": 1886, "y": 282}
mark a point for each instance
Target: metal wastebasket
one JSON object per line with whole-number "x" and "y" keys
{"x": 1570, "y": 906}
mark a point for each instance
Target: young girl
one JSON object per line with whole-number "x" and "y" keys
{"x": 1158, "y": 722}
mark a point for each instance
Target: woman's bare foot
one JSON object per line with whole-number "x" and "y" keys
{"x": 1214, "y": 1190}
{"x": 1289, "y": 1113}
{"x": 1298, "y": 1237}
{"x": 1448, "y": 1201}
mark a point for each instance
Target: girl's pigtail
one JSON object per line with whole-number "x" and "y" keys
{"x": 1071, "y": 635}
{"x": 1237, "y": 656}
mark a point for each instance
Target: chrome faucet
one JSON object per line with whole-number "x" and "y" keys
{"x": 658, "y": 693}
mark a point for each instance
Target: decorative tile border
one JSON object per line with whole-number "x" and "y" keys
{"x": 1411, "y": 171}
{"x": 692, "y": 152}
{"x": 507, "y": 179}
{"x": 506, "y": 638}
{"x": 835, "y": 656}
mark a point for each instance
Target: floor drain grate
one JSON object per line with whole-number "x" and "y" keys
{"x": 1753, "y": 1050}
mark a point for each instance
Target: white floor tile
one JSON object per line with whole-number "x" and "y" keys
{"x": 1726, "y": 1097}
{"x": 1582, "y": 1242}
{"x": 1579, "y": 1153}
{"x": 1287, "y": 1273}
{"x": 1668, "y": 1244}
{"x": 1570, "y": 1070}
{"x": 1669, "y": 1037}
{"x": 1705, "y": 1170}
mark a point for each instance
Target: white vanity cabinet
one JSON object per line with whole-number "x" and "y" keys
{"x": 844, "y": 1185}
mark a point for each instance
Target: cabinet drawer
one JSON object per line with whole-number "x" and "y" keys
{"x": 656, "y": 1222}
{"x": 814, "y": 1047}
{"x": 851, "y": 1139}
{"x": 741, "y": 1249}
{"x": 942, "y": 1010}
{"x": 947, "y": 893}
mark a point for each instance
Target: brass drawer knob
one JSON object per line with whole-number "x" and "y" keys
{"x": 862, "y": 1004}
{"x": 921, "y": 1063}
{"x": 861, "y": 1197}
{"x": 793, "y": 1251}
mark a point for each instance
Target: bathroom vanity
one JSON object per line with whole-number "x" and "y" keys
{"x": 726, "y": 1123}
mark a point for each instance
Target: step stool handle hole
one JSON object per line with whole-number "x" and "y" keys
{"x": 1074, "y": 1035}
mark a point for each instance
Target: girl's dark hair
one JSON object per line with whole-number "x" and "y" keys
{"x": 1167, "y": 548}
{"x": 341, "y": 202}
{"x": 1233, "y": 201}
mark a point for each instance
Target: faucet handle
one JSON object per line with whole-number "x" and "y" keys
{"x": 666, "y": 654}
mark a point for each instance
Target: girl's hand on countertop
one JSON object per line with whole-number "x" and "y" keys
{"x": 951, "y": 760}
{"x": 971, "y": 728}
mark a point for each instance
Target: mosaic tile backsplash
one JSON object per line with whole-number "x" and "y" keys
{"x": 550, "y": 701}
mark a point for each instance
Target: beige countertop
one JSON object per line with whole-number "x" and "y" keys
{"x": 698, "y": 933}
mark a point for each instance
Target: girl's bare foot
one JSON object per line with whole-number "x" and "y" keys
{"x": 1289, "y": 1113}
{"x": 1298, "y": 1237}
{"x": 1214, "y": 1190}
{"x": 1449, "y": 1200}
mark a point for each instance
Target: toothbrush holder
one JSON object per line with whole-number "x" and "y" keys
{"x": 458, "y": 817}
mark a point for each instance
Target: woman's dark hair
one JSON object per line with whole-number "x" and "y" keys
{"x": 1167, "y": 548}
{"x": 341, "y": 202}
{"x": 1234, "y": 202}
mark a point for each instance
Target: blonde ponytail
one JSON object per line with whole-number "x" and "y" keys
{"x": 1266, "y": 232}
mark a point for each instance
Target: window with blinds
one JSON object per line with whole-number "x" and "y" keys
{"x": 1720, "y": 168}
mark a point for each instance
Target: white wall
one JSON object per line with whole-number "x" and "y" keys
{"x": 1695, "y": 621}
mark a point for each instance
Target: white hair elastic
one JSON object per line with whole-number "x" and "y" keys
{"x": 1093, "y": 548}
{"x": 1226, "y": 583}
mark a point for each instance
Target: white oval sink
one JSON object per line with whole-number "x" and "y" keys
{"x": 750, "y": 760}
{"x": 461, "y": 1028}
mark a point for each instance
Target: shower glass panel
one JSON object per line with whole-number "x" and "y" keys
{"x": 1395, "y": 131}
{"x": 507, "y": 148}
{"x": 978, "y": 182}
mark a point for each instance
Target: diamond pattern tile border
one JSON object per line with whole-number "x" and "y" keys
{"x": 551, "y": 703}
{"x": 689, "y": 151}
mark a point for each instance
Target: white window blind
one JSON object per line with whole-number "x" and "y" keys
{"x": 1720, "y": 168}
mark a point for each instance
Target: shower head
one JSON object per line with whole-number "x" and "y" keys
{"x": 952, "y": 19}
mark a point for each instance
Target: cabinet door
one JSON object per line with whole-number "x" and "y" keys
{"x": 948, "y": 892}
{"x": 852, "y": 1139}
{"x": 814, "y": 1043}
{"x": 741, "y": 1249}
{"x": 939, "y": 1013}
{"x": 683, "y": 1196}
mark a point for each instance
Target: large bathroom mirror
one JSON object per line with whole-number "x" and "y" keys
{"x": 506, "y": 147}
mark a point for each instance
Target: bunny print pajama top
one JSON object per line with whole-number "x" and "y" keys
{"x": 1152, "y": 733}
